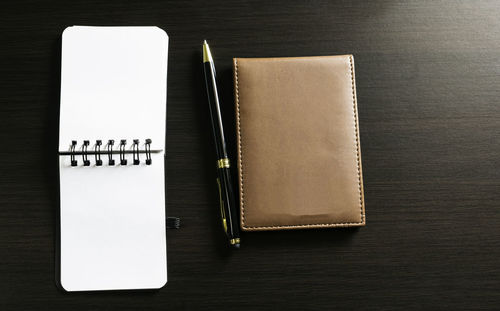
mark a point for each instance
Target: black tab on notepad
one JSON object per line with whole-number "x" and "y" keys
{"x": 173, "y": 222}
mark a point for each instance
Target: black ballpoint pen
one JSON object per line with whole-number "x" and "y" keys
{"x": 226, "y": 194}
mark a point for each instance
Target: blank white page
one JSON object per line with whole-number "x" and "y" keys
{"x": 113, "y": 226}
{"x": 112, "y": 218}
{"x": 113, "y": 84}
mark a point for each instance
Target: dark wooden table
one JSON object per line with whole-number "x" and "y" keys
{"x": 428, "y": 78}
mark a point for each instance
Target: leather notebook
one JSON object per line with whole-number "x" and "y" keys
{"x": 299, "y": 159}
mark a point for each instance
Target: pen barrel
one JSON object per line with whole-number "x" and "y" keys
{"x": 228, "y": 203}
{"x": 215, "y": 111}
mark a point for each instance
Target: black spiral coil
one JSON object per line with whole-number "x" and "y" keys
{"x": 98, "y": 161}
{"x": 74, "y": 162}
{"x": 111, "y": 162}
{"x": 85, "y": 153}
{"x": 123, "y": 144}
{"x": 148, "y": 152}
{"x": 98, "y": 152}
{"x": 135, "y": 149}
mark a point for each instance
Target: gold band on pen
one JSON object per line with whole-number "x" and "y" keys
{"x": 234, "y": 241}
{"x": 221, "y": 163}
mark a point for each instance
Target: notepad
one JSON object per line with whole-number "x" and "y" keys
{"x": 299, "y": 154}
{"x": 111, "y": 158}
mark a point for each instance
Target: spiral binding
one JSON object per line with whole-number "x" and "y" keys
{"x": 123, "y": 143}
{"x": 86, "y": 161}
{"x": 148, "y": 152}
{"x": 135, "y": 150}
{"x": 111, "y": 162}
{"x": 108, "y": 149}
{"x": 74, "y": 162}
{"x": 98, "y": 161}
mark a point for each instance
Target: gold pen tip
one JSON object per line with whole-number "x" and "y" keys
{"x": 207, "y": 56}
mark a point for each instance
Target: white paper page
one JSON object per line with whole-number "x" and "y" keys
{"x": 113, "y": 85}
{"x": 113, "y": 226}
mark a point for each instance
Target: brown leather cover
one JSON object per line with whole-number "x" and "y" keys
{"x": 299, "y": 160}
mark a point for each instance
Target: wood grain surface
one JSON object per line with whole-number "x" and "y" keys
{"x": 428, "y": 76}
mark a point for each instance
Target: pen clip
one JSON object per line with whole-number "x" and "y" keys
{"x": 222, "y": 212}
